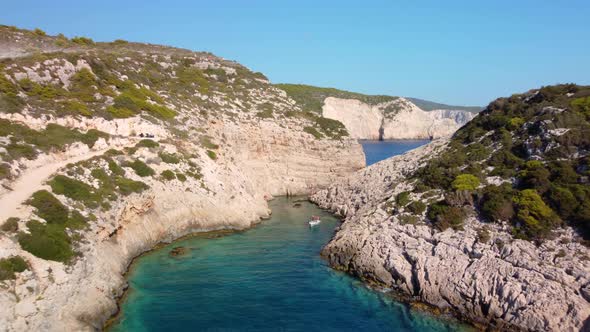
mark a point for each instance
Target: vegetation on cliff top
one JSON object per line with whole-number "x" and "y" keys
{"x": 524, "y": 159}
{"x": 311, "y": 98}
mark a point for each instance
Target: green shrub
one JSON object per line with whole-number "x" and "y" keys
{"x": 141, "y": 168}
{"x": 417, "y": 207}
{"x": 83, "y": 41}
{"x": 47, "y": 241}
{"x": 402, "y": 198}
{"x": 421, "y": 187}
{"x": 536, "y": 219}
{"x": 74, "y": 189}
{"x": 535, "y": 176}
{"x": 115, "y": 168}
{"x": 147, "y": 143}
{"x": 169, "y": 158}
{"x": 10, "y": 225}
{"x": 496, "y": 203}
{"x": 444, "y": 216}
{"x": 563, "y": 201}
{"x": 515, "y": 123}
{"x": 49, "y": 208}
{"x": 17, "y": 151}
{"x": 10, "y": 103}
{"x": 582, "y": 105}
{"x": 314, "y": 132}
{"x": 128, "y": 186}
{"x": 120, "y": 113}
{"x": 181, "y": 177}
{"x": 39, "y": 32}
{"x": 11, "y": 265}
{"x": 132, "y": 100}
{"x": 465, "y": 182}
{"x": 76, "y": 107}
{"x": 83, "y": 84}
{"x": 168, "y": 175}
{"x": 212, "y": 154}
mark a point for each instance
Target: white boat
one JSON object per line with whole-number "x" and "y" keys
{"x": 315, "y": 220}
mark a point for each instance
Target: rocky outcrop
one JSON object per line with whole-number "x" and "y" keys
{"x": 395, "y": 119}
{"x": 481, "y": 272}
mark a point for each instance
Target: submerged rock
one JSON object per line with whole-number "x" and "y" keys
{"x": 178, "y": 251}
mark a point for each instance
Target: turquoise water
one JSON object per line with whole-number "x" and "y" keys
{"x": 376, "y": 151}
{"x": 269, "y": 278}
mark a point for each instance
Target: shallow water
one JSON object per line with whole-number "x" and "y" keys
{"x": 269, "y": 278}
{"x": 376, "y": 151}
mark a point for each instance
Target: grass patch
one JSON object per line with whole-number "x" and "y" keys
{"x": 47, "y": 241}
{"x": 141, "y": 168}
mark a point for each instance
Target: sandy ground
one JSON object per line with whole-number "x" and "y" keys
{"x": 11, "y": 203}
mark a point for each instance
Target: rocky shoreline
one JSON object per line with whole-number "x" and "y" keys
{"x": 499, "y": 281}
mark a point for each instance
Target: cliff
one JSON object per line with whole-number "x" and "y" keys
{"x": 381, "y": 117}
{"x": 491, "y": 225}
{"x": 110, "y": 148}
{"x": 396, "y": 119}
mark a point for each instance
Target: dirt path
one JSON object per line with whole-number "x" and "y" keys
{"x": 33, "y": 180}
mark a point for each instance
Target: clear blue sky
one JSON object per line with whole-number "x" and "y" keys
{"x": 459, "y": 52}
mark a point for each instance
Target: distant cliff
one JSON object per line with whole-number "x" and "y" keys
{"x": 381, "y": 117}
{"x": 395, "y": 119}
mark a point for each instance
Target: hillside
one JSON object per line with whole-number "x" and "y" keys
{"x": 491, "y": 225}
{"x": 379, "y": 117}
{"x": 107, "y": 149}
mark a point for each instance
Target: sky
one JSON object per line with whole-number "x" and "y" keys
{"x": 455, "y": 52}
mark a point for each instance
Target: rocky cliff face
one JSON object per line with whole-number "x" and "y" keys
{"x": 499, "y": 280}
{"x": 395, "y": 119}
{"x": 109, "y": 149}
{"x": 491, "y": 224}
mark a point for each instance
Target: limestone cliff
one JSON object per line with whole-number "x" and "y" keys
{"x": 110, "y": 148}
{"x": 395, "y": 119}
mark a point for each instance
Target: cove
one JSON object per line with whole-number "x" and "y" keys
{"x": 269, "y": 278}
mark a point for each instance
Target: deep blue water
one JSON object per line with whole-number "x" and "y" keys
{"x": 376, "y": 151}
{"x": 269, "y": 278}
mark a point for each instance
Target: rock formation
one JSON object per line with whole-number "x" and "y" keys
{"x": 395, "y": 119}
